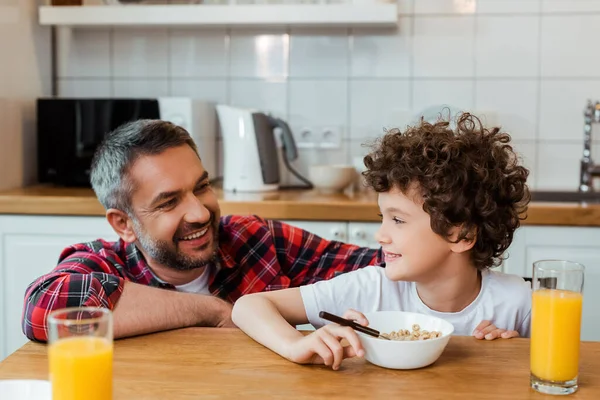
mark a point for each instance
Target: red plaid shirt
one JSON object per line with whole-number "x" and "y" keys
{"x": 254, "y": 255}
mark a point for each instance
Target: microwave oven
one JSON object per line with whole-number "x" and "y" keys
{"x": 69, "y": 131}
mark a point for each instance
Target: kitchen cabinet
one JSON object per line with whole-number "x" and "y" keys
{"x": 579, "y": 244}
{"x": 29, "y": 247}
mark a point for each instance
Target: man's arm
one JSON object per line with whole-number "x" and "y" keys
{"x": 84, "y": 278}
{"x": 307, "y": 258}
{"x": 144, "y": 309}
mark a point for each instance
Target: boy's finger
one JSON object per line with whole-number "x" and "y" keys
{"x": 510, "y": 334}
{"x": 356, "y": 316}
{"x": 495, "y": 334}
{"x": 336, "y": 349}
{"x": 350, "y": 335}
{"x": 488, "y": 329}
{"x": 323, "y": 351}
{"x": 482, "y": 325}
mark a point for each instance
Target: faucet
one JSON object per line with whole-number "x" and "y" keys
{"x": 588, "y": 169}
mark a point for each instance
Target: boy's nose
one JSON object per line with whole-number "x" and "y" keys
{"x": 381, "y": 236}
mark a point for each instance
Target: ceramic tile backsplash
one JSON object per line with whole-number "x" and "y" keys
{"x": 318, "y": 103}
{"x": 443, "y": 46}
{"x": 267, "y": 96}
{"x": 198, "y": 53}
{"x": 380, "y": 53}
{"x": 378, "y": 104}
{"x": 570, "y": 6}
{"x": 318, "y": 53}
{"x": 562, "y": 103}
{"x": 558, "y": 166}
{"x": 213, "y": 90}
{"x": 140, "y": 53}
{"x": 431, "y": 95}
{"x": 507, "y": 52}
{"x": 259, "y": 53}
{"x": 527, "y": 65}
{"x": 140, "y": 87}
{"x": 567, "y": 45}
{"x": 88, "y": 54}
{"x": 510, "y": 103}
{"x": 84, "y": 87}
{"x": 508, "y": 6}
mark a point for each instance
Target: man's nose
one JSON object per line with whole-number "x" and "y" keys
{"x": 196, "y": 211}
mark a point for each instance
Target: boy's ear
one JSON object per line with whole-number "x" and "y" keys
{"x": 464, "y": 244}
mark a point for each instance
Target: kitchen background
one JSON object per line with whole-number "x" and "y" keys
{"x": 529, "y": 65}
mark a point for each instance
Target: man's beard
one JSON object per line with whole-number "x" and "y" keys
{"x": 166, "y": 253}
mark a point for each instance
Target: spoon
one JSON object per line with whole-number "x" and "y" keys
{"x": 351, "y": 324}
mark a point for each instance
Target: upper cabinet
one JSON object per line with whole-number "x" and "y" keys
{"x": 257, "y": 15}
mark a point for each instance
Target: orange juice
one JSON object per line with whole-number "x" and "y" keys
{"x": 81, "y": 368}
{"x": 555, "y": 334}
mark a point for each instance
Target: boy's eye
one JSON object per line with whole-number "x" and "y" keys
{"x": 380, "y": 215}
{"x": 397, "y": 220}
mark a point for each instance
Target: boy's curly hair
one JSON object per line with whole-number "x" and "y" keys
{"x": 468, "y": 178}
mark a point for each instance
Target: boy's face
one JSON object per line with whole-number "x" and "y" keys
{"x": 413, "y": 252}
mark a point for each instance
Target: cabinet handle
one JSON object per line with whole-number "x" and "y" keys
{"x": 338, "y": 234}
{"x": 359, "y": 234}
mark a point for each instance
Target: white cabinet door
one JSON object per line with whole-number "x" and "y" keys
{"x": 327, "y": 230}
{"x": 565, "y": 243}
{"x": 363, "y": 234}
{"x": 30, "y": 247}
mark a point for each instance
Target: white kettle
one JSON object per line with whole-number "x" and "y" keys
{"x": 251, "y": 158}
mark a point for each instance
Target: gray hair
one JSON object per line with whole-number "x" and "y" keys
{"x": 121, "y": 148}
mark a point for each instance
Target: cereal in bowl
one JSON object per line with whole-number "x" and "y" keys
{"x": 416, "y": 334}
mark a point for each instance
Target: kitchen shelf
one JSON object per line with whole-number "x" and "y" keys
{"x": 257, "y": 15}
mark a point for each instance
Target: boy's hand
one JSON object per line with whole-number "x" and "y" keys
{"x": 488, "y": 331}
{"x": 323, "y": 346}
{"x": 356, "y": 316}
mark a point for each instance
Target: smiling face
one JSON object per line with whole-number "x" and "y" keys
{"x": 413, "y": 252}
{"x": 176, "y": 211}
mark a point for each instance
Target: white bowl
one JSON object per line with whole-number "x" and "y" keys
{"x": 404, "y": 354}
{"x": 25, "y": 389}
{"x": 331, "y": 178}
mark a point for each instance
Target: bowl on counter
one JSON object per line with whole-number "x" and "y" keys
{"x": 408, "y": 354}
{"x": 331, "y": 178}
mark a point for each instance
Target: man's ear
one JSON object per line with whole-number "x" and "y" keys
{"x": 464, "y": 244}
{"x": 122, "y": 224}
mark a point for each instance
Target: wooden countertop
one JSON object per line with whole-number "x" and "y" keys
{"x": 284, "y": 205}
{"x": 225, "y": 363}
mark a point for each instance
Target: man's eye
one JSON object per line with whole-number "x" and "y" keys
{"x": 202, "y": 187}
{"x": 168, "y": 204}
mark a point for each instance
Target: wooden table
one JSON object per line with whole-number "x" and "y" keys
{"x": 211, "y": 363}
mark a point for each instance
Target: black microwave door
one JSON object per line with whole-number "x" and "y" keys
{"x": 70, "y": 131}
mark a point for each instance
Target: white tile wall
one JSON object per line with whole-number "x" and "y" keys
{"x": 380, "y": 53}
{"x": 507, "y": 49}
{"x": 317, "y": 53}
{"x": 528, "y": 65}
{"x": 443, "y": 46}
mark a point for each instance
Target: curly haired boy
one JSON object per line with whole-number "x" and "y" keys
{"x": 450, "y": 202}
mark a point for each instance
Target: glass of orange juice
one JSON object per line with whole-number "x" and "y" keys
{"x": 556, "y": 325}
{"x": 80, "y": 353}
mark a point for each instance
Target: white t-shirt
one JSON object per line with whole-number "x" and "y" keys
{"x": 504, "y": 299}
{"x": 198, "y": 285}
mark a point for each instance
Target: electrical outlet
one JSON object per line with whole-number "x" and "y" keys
{"x": 330, "y": 137}
{"x": 306, "y": 138}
